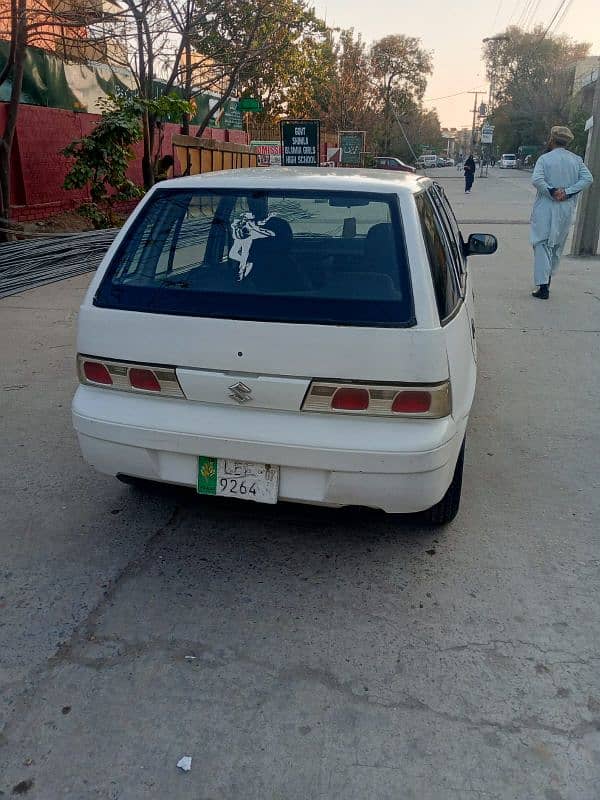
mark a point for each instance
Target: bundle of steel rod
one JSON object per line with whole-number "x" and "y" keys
{"x": 34, "y": 262}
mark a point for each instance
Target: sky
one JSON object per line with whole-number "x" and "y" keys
{"x": 453, "y": 31}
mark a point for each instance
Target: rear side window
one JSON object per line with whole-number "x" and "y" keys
{"x": 451, "y": 225}
{"x": 445, "y": 285}
{"x": 323, "y": 257}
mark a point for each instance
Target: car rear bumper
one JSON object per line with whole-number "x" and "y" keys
{"x": 400, "y": 466}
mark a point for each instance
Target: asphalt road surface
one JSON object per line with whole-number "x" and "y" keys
{"x": 297, "y": 653}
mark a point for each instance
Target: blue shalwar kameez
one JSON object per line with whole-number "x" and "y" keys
{"x": 551, "y": 219}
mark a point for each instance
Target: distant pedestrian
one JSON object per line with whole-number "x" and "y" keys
{"x": 493, "y": 161}
{"x": 559, "y": 176}
{"x": 469, "y": 173}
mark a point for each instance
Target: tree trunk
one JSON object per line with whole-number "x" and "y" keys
{"x": 147, "y": 160}
{"x": 4, "y": 188}
{"x": 6, "y": 140}
{"x": 185, "y": 122}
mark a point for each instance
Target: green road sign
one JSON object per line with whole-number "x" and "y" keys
{"x": 252, "y": 104}
{"x": 352, "y": 145}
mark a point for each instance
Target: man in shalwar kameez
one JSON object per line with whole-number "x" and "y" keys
{"x": 559, "y": 176}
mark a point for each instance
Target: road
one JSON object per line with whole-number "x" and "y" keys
{"x": 301, "y": 653}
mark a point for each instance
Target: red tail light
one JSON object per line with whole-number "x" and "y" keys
{"x": 412, "y": 402}
{"x": 350, "y": 399}
{"x": 384, "y": 400}
{"x": 96, "y": 372}
{"x": 126, "y": 377}
{"x": 143, "y": 379}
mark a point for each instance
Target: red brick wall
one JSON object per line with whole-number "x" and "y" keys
{"x": 38, "y": 169}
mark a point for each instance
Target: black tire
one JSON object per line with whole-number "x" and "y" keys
{"x": 444, "y": 512}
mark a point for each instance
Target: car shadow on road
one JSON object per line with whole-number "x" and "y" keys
{"x": 348, "y": 523}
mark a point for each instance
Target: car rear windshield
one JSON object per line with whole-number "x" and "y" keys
{"x": 289, "y": 256}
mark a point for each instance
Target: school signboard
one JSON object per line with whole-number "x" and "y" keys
{"x": 352, "y": 145}
{"x": 300, "y": 142}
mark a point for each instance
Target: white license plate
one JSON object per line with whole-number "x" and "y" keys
{"x": 241, "y": 479}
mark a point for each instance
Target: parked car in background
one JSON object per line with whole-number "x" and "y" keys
{"x": 285, "y": 334}
{"x": 508, "y": 161}
{"x": 426, "y": 162}
{"x": 390, "y": 162}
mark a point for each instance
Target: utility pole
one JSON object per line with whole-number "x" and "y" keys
{"x": 587, "y": 222}
{"x": 474, "y": 116}
{"x": 473, "y": 128}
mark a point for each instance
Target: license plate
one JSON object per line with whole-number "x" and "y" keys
{"x": 241, "y": 479}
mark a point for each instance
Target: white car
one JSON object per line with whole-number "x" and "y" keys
{"x": 427, "y": 162}
{"x": 508, "y": 161}
{"x": 285, "y": 334}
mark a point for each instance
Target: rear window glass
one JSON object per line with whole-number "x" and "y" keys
{"x": 329, "y": 258}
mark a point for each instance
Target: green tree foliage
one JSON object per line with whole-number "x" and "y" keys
{"x": 300, "y": 67}
{"x": 399, "y": 66}
{"x": 101, "y": 159}
{"x": 258, "y": 46}
{"x": 533, "y": 79}
{"x": 350, "y": 90}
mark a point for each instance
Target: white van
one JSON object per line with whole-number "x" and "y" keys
{"x": 508, "y": 161}
{"x": 285, "y": 334}
{"x": 427, "y": 162}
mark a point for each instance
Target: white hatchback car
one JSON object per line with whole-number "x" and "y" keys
{"x": 285, "y": 334}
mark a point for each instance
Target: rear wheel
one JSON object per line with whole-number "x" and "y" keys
{"x": 445, "y": 511}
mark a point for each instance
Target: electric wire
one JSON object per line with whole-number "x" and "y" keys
{"x": 562, "y": 4}
{"x": 530, "y": 21}
{"x": 496, "y": 15}
{"x": 562, "y": 17}
{"x": 524, "y": 13}
{"x": 26, "y": 264}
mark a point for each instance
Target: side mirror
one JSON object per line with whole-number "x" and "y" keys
{"x": 481, "y": 244}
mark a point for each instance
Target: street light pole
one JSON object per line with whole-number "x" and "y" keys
{"x": 587, "y": 222}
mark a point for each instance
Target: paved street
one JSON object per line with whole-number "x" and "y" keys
{"x": 298, "y": 653}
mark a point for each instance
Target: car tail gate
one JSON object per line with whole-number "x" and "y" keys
{"x": 261, "y": 299}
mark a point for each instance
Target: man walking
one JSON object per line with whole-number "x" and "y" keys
{"x": 559, "y": 176}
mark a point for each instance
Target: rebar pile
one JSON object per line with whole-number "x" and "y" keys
{"x": 35, "y": 262}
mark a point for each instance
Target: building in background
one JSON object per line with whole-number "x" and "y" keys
{"x": 587, "y": 72}
{"x": 462, "y": 141}
{"x": 76, "y": 30}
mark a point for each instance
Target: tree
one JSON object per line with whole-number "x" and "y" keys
{"x": 533, "y": 78}
{"x": 252, "y": 38}
{"x": 53, "y": 27}
{"x": 100, "y": 161}
{"x": 196, "y": 46}
{"x": 400, "y": 67}
{"x": 351, "y": 92}
{"x": 101, "y": 158}
{"x": 296, "y": 81}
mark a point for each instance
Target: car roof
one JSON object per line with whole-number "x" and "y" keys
{"x": 324, "y": 178}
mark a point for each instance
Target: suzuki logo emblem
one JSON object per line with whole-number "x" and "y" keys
{"x": 240, "y": 392}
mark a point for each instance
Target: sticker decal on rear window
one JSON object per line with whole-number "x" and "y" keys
{"x": 245, "y": 230}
